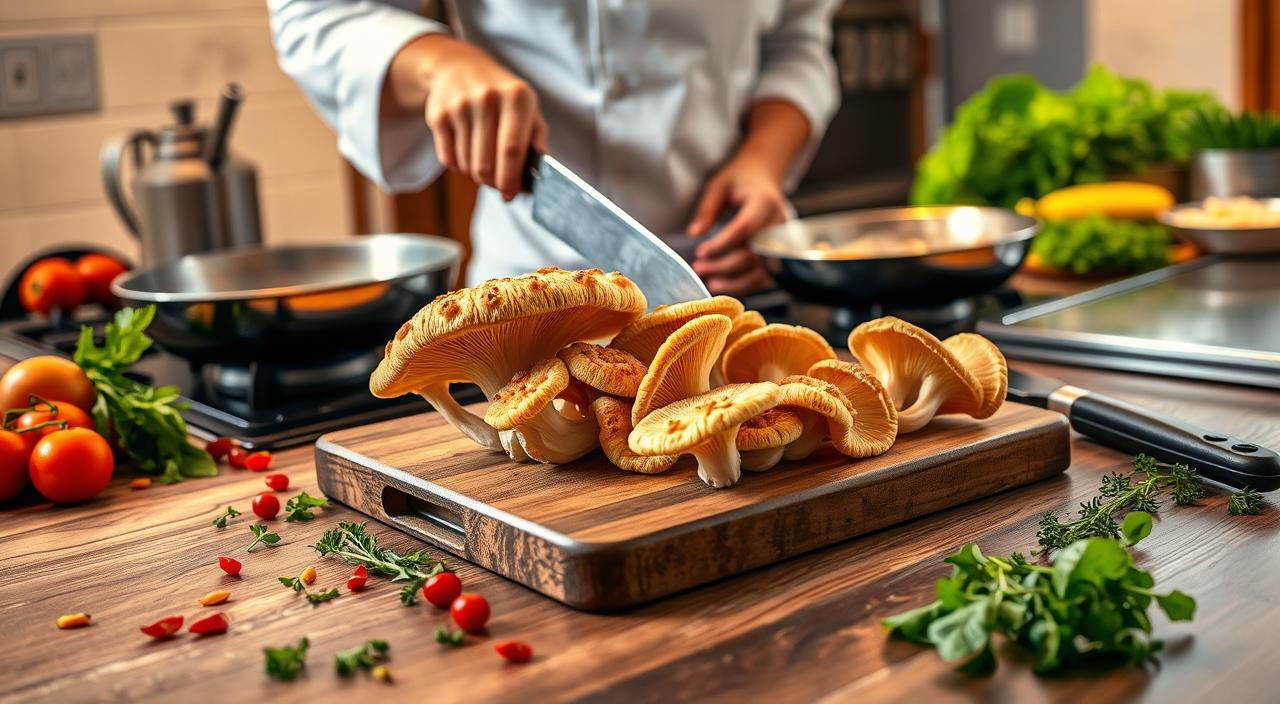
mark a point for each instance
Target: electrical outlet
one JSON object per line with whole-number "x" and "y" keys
{"x": 45, "y": 75}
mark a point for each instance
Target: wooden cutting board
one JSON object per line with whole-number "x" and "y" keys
{"x": 598, "y": 538}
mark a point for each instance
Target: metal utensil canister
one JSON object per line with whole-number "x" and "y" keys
{"x": 1236, "y": 172}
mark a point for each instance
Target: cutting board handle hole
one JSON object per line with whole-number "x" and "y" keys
{"x": 428, "y": 519}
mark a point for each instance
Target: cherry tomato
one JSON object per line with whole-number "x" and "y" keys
{"x": 236, "y": 457}
{"x": 266, "y": 505}
{"x": 514, "y": 651}
{"x": 258, "y": 461}
{"x": 209, "y": 625}
{"x": 442, "y": 589}
{"x": 71, "y": 465}
{"x": 218, "y": 449}
{"x": 14, "y": 458}
{"x": 470, "y": 612}
{"x": 74, "y": 418}
{"x": 230, "y": 565}
{"x": 51, "y": 283}
{"x": 358, "y": 578}
{"x": 97, "y": 271}
{"x": 46, "y": 376}
{"x": 164, "y": 628}
{"x": 277, "y": 481}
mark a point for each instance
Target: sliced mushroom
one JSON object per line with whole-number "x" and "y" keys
{"x": 875, "y": 421}
{"x": 682, "y": 366}
{"x": 746, "y": 322}
{"x": 613, "y": 415}
{"x": 763, "y": 438}
{"x": 773, "y": 352}
{"x": 921, "y": 375}
{"x": 644, "y": 336}
{"x": 705, "y": 426}
{"x": 604, "y": 369}
{"x": 823, "y": 411}
{"x": 487, "y": 333}
{"x": 525, "y": 407}
{"x": 985, "y": 361}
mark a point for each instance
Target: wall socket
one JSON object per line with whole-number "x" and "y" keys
{"x": 47, "y": 75}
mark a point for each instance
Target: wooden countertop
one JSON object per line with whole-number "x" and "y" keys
{"x": 802, "y": 630}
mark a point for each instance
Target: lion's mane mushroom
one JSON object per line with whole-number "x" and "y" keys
{"x": 614, "y": 418}
{"x": 746, "y": 322}
{"x": 985, "y": 361}
{"x": 645, "y": 335}
{"x": 922, "y": 376}
{"x": 682, "y": 365}
{"x": 823, "y": 411}
{"x": 875, "y": 421}
{"x": 487, "y": 333}
{"x": 705, "y": 426}
{"x": 763, "y": 438}
{"x": 525, "y": 407}
{"x": 773, "y": 352}
{"x": 604, "y": 369}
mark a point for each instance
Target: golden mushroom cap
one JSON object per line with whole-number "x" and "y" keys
{"x": 682, "y": 365}
{"x": 605, "y": 369}
{"x": 819, "y": 396}
{"x": 987, "y": 364}
{"x": 875, "y": 423}
{"x": 688, "y": 423}
{"x": 527, "y": 394}
{"x": 643, "y": 336}
{"x": 773, "y": 352}
{"x": 489, "y": 332}
{"x": 746, "y": 322}
{"x": 902, "y": 356}
{"x": 775, "y": 427}
{"x": 614, "y": 418}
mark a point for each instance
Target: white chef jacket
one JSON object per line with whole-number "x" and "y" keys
{"x": 645, "y": 99}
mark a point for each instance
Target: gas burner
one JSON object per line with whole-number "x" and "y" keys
{"x": 261, "y": 384}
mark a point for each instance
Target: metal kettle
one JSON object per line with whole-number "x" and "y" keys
{"x": 190, "y": 196}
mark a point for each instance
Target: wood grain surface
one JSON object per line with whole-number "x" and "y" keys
{"x": 804, "y": 629}
{"x": 598, "y": 538}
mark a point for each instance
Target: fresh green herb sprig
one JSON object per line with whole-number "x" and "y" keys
{"x": 1246, "y": 502}
{"x": 361, "y": 657}
{"x": 262, "y": 534}
{"x": 286, "y": 663}
{"x": 1091, "y": 602}
{"x": 298, "y": 585}
{"x": 351, "y": 543}
{"x": 1139, "y": 491}
{"x": 299, "y": 507}
{"x": 1217, "y": 128}
{"x": 444, "y": 636}
{"x": 321, "y": 597}
{"x": 221, "y": 521}
{"x": 147, "y": 420}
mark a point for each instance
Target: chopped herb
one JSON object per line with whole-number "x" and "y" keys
{"x": 299, "y": 507}
{"x": 321, "y": 597}
{"x": 298, "y": 585}
{"x": 361, "y": 657}
{"x": 294, "y": 583}
{"x": 354, "y": 545}
{"x": 221, "y": 521}
{"x": 262, "y": 534}
{"x": 286, "y": 663}
{"x": 444, "y": 636}
{"x": 1246, "y": 502}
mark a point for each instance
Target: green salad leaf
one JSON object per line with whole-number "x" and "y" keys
{"x": 1096, "y": 243}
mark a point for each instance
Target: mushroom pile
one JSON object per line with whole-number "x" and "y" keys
{"x": 570, "y": 362}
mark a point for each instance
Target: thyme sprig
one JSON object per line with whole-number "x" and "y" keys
{"x": 351, "y": 543}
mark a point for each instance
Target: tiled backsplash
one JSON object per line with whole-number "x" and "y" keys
{"x": 150, "y": 52}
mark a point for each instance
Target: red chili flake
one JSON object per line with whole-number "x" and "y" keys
{"x": 358, "y": 579}
{"x": 210, "y": 625}
{"x": 164, "y": 628}
{"x": 230, "y": 565}
{"x": 258, "y": 461}
{"x": 236, "y": 457}
{"x": 277, "y": 481}
{"x": 218, "y": 449}
{"x": 514, "y": 651}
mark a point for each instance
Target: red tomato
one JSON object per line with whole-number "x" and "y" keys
{"x": 277, "y": 481}
{"x": 236, "y": 457}
{"x": 266, "y": 505}
{"x": 258, "y": 461}
{"x": 230, "y": 565}
{"x": 46, "y": 376}
{"x": 358, "y": 578}
{"x": 470, "y": 612}
{"x": 51, "y": 283}
{"x": 442, "y": 589}
{"x": 164, "y": 628}
{"x": 14, "y": 458}
{"x": 97, "y": 271}
{"x": 218, "y": 449}
{"x": 74, "y": 418}
{"x": 211, "y": 624}
{"x": 70, "y": 466}
{"x": 514, "y": 651}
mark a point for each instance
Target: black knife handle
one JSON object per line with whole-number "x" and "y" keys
{"x": 530, "y": 170}
{"x": 1218, "y": 456}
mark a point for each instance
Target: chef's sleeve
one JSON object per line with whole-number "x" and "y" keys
{"x": 796, "y": 66}
{"x": 338, "y": 52}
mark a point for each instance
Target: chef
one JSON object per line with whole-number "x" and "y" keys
{"x": 686, "y": 113}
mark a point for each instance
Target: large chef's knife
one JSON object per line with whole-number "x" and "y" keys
{"x": 1218, "y": 456}
{"x": 605, "y": 235}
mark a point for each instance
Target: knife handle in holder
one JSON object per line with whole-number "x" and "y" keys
{"x": 1218, "y": 456}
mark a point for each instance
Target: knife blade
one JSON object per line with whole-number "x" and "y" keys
{"x": 605, "y": 235}
{"x": 1124, "y": 426}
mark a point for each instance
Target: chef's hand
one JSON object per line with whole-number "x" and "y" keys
{"x": 724, "y": 261}
{"x": 482, "y": 116}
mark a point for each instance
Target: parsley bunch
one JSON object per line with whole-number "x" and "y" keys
{"x": 352, "y": 544}
{"x": 1092, "y": 602}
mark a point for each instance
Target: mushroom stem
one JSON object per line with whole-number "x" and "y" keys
{"x": 921, "y": 410}
{"x": 761, "y": 460}
{"x": 719, "y": 462}
{"x": 554, "y": 439}
{"x": 471, "y": 425}
{"x": 809, "y": 439}
{"x": 513, "y": 446}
